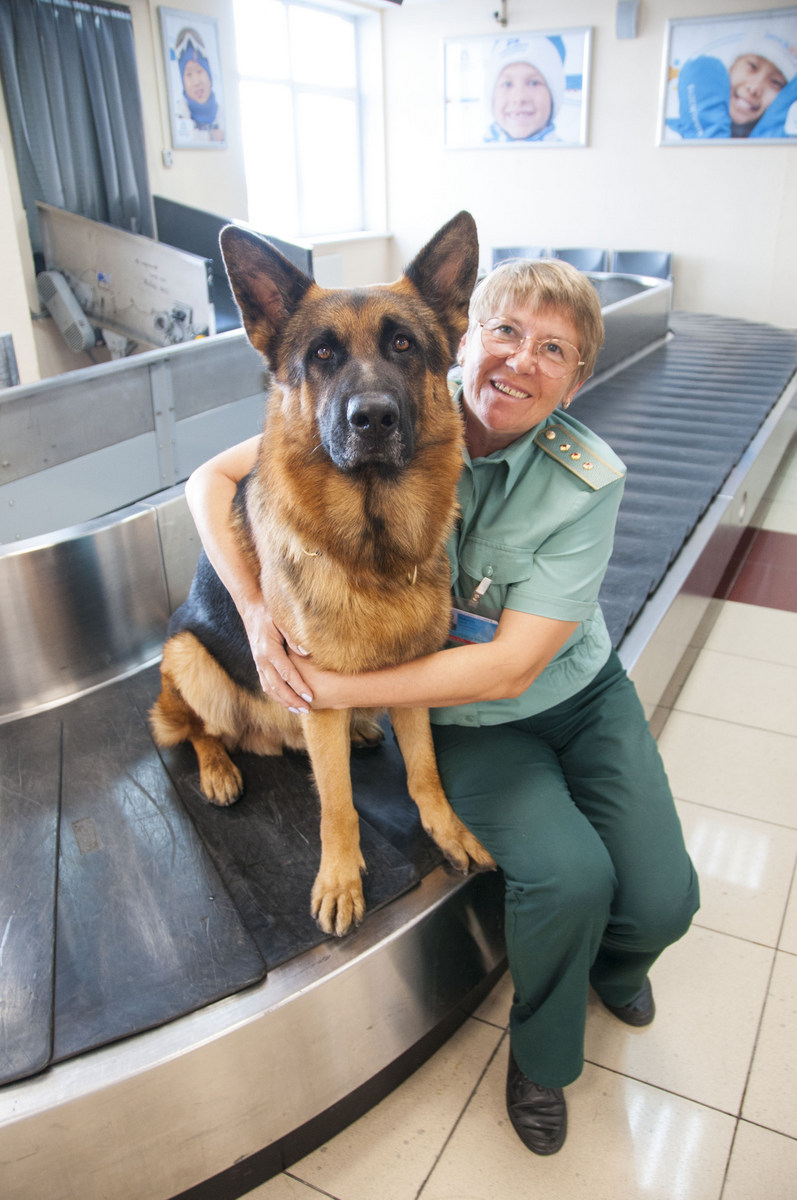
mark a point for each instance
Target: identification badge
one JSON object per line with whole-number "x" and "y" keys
{"x": 468, "y": 627}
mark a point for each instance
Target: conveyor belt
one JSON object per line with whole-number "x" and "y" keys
{"x": 126, "y": 901}
{"x": 157, "y": 903}
{"x": 680, "y": 418}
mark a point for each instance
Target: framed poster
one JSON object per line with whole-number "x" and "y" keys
{"x": 193, "y": 79}
{"x": 520, "y": 90}
{"x": 730, "y": 79}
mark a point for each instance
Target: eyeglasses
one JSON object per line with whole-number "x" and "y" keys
{"x": 555, "y": 357}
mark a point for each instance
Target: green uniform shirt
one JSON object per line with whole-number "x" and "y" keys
{"x": 537, "y": 520}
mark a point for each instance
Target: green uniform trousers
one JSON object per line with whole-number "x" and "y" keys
{"x": 575, "y": 807}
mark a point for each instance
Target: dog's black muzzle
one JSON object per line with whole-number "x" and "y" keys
{"x": 369, "y": 428}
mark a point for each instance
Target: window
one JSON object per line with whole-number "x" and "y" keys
{"x": 301, "y": 113}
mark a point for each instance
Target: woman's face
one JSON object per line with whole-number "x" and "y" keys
{"x": 755, "y": 82}
{"x": 521, "y": 100}
{"x": 196, "y": 82}
{"x": 505, "y": 397}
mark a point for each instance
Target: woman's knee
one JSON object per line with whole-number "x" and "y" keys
{"x": 579, "y": 883}
{"x": 657, "y": 921}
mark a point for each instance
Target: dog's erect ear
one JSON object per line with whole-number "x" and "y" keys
{"x": 444, "y": 272}
{"x": 267, "y": 287}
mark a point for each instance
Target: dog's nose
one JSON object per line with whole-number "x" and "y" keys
{"x": 372, "y": 414}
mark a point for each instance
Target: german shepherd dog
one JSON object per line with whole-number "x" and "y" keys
{"x": 344, "y": 519}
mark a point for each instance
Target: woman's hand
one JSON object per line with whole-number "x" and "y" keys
{"x": 279, "y": 677}
{"x": 320, "y": 688}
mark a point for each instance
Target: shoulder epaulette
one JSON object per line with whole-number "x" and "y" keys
{"x": 559, "y": 443}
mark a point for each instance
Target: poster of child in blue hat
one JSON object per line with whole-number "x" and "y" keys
{"x": 731, "y": 79}
{"x": 193, "y": 77}
{"x": 518, "y": 90}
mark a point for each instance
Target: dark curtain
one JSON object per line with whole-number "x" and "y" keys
{"x": 74, "y": 106}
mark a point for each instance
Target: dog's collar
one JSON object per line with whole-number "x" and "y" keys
{"x": 412, "y": 576}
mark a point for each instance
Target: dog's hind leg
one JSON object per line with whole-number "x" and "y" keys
{"x": 173, "y": 721}
{"x": 438, "y": 818}
{"x": 337, "y": 898}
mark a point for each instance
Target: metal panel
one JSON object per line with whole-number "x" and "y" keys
{"x": 79, "y": 490}
{"x": 232, "y": 372}
{"x": 179, "y": 542}
{"x": 201, "y": 436}
{"x": 79, "y": 610}
{"x": 635, "y": 316}
{"x": 47, "y": 423}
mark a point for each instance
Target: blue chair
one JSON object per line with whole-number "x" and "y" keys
{"x": 657, "y": 263}
{"x": 503, "y": 253}
{"x": 585, "y": 258}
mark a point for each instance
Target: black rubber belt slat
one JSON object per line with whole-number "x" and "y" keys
{"x": 680, "y": 418}
{"x": 29, "y": 793}
{"x": 267, "y": 845}
{"x": 146, "y": 930}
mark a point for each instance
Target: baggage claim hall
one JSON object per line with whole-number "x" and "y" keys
{"x": 175, "y": 1022}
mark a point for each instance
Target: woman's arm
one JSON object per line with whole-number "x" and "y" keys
{"x": 521, "y": 649}
{"x": 210, "y": 492}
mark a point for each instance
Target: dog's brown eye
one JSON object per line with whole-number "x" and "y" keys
{"x": 401, "y": 342}
{"x": 324, "y": 353}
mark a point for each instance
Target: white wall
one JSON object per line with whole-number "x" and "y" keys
{"x": 727, "y": 212}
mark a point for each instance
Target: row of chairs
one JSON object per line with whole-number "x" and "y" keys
{"x": 657, "y": 263}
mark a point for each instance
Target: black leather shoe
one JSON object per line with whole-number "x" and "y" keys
{"x": 640, "y": 1011}
{"x": 538, "y": 1114}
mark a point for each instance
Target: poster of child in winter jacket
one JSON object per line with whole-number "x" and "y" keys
{"x": 520, "y": 90}
{"x": 193, "y": 78}
{"x": 731, "y": 79}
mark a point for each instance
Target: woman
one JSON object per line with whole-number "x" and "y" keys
{"x": 543, "y": 747}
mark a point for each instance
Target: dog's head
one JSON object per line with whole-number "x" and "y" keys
{"x": 365, "y": 365}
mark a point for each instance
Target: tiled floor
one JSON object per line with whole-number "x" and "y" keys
{"x": 703, "y": 1104}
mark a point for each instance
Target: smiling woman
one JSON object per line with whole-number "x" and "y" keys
{"x": 541, "y": 741}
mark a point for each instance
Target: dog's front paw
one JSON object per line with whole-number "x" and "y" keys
{"x": 463, "y": 850}
{"x": 221, "y": 782}
{"x": 366, "y": 732}
{"x": 337, "y": 903}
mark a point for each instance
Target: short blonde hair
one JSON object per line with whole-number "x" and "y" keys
{"x": 544, "y": 283}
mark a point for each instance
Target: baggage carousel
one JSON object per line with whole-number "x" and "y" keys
{"x": 174, "y": 1024}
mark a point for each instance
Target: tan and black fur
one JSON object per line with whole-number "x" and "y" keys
{"x": 345, "y": 519}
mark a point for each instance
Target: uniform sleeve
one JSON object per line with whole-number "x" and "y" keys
{"x": 568, "y": 567}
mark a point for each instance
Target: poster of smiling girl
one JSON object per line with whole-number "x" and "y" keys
{"x": 731, "y": 79}
{"x": 523, "y": 90}
{"x": 193, "y": 78}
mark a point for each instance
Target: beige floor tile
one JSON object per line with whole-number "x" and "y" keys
{"x": 743, "y": 690}
{"x": 731, "y": 767}
{"x": 745, "y": 870}
{"x": 763, "y": 1164}
{"x": 788, "y": 937}
{"x": 398, "y": 1141}
{"x": 701, "y": 1043}
{"x": 771, "y": 1098}
{"x": 283, "y": 1187}
{"x": 625, "y": 1140}
{"x": 781, "y": 515}
{"x": 752, "y": 631}
{"x": 495, "y": 1008}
